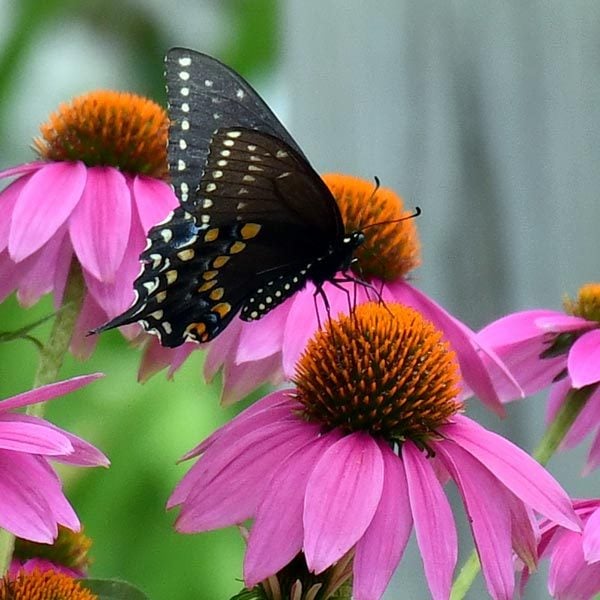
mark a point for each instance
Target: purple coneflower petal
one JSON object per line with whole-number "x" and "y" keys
{"x": 561, "y": 323}
{"x": 221, "y": 349}
{"x": 154, "y": 200}
{"x": 264, "y": 338}
{"x": 434, "y": 522}
{"x": 99, "y": 225}
{"x": 47, "y": 392}
{"x": 20, "y": 434}
{"x": 8, "y": 199}
{"x": 584, "y": 359}
{"x": 342, "y": 495}
{"x": 380, "y": 549}
{"x": 23, "y": 169}
{"x": 591, "y": 538}
{"x": 278, "y": 533}
{"x": 593, "y": 460}
{"x": 38, "y": 270}
{"x": 488, "y": 515}
{"x": 90, "y": 316}
{"x": 520, "y": 473}
{"x": 228, "y": 485}
{"x": 586, "y": 421}
{"x": 44, "y": 204}
{"x": 556, "y": 398}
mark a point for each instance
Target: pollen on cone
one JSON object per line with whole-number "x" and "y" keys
{"x": 390, "y": 251}
{"x": 47, "y": 585}
{"x": 383, "y": 369}
{"x": 108, "y": 128}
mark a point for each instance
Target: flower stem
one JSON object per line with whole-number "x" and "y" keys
{"x": 548, "y": 445}
{"x": 52, "y": 355}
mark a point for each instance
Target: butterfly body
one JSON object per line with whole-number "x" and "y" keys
{"x": 255, "y": 221}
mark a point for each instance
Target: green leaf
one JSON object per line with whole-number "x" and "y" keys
{"x": 110, "y": 589}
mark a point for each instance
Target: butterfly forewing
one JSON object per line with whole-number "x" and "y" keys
{"x": 205, "y": 95}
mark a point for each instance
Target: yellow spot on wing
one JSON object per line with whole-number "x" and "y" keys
{"x": 236, "y": 247}
{"x": 216, "y": 294}
{"x": 250, "y": 230}
{"x": 211, "y": 235}
{"x": 208, "y": 275}
{"x": 207, "y": 286}
{"x": 220, "y": 261}
{"x": 222, "y": 309}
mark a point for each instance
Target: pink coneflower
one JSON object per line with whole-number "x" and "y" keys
{"x": 574, "y": 556}
{"x": 267, "y": 350}
{"x": 32, "y": 504}
{"x": 95, "y": 192}
{"x": 559, "y": 349}
{"x": 355, "y": 456}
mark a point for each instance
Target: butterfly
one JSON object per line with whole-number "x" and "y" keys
{"x": 255, "y": 221}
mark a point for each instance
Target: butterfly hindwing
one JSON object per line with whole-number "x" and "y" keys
{"x": 204, "y": 95}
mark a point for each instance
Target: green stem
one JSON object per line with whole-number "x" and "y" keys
{"x": 52, "y": 356}
{"x": 548, "y": 445}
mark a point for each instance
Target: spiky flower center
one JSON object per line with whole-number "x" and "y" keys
{"x": 382, "y": 369}
{"x": 70, "y": 549}
{"x": 49, "y": 585}
{"x": 390, "y": 251}
{"x": 587, "y": 303}
{"x": 108, "y": 128}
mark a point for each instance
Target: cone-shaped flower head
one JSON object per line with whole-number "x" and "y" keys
{"x": 43, "y": 585}
{"x": 95, "y": 192}
{"x": 268, "y": 350}
{"x": 560, "y": 350}
{"x": 356, "y": 454}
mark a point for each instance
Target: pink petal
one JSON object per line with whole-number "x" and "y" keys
{"x": 20, "y": 435}
{"x": 8, "y": 199}
{"x": 342, "y": 495}
{"x": 434, "y": 522}
{"x": 464, "y": 343}
{"x": 47, "y": 392}
{"x": 44, "y": 204}
{"x": 556, "y": 398}
{"x": 154, "y": 199}
{"x": 520, "y": 473}
{"x": 277, "y": 535}
{"x": 593, "y": 460}
{"x": 229, "y": 485}
{"x": 117, "y": 296}
{"x": 584, "y": 359}
{"x": 591, "y": 538}
{"x": 562, "y": 323}
{"x": 61, "y": 273}
{"x": 80, "y": 453}
{"x": 38, "y": 270}
{"x": 222, "y": 350}
{"x": 156, "y": 358}
{"x": 10, "y": 275}
{"x": 488, "y": 516}
{"x": 380, "y": 549}
{"x": 23, "y": 169}
{"x": 100, "y": 223}
{"x": 90, "y": 316}
{"x": 517, "y": 327}
{"x": 241, "y": 379}
{"x": 264, "y": 338}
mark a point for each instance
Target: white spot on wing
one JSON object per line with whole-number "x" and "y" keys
{"x": 185, "y": 61}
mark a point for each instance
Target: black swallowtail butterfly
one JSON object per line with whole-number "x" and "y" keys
{"x": 255, "y": 223}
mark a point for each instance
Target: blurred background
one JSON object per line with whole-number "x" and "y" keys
{"x": 486, "y": 115}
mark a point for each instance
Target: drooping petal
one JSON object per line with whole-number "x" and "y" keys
{"x": 61, "y": 273}
{"x": 79, "y": 452}
{"x": 342, "y": 495}
{"x": 591, "y": 538}
{"x": 47, "y": 392}
{"x": 23, "y": 169}
{"x": 222, "y": 350}
{"x": 45, "y": 203}
{"x": 277, "y": 533}
{"x": 154, "y": 200}
{"x": 157, "y": 357}
{"x": 32, "y": 436}
{"x": 518, "y": 327}
{"x": 593, "y": 460}
{"x": 100, "y": 223}
{"x": 570, "y": 577}
{"x": 556, "y": 398}
{"x": 488, "y": 516}
{"x": 240, "y": 379}
{"x": 584, "y": 359}
{"x": 464, "y": 343}
{"x": 520, "y": 473}
{"x": 90, "y": 316}
{"x": 380, "y": 549}
{"x": 264, "y": 338}
{"x": 229, "y": 486}
{"x": 434, "y": 522}
{"x": 39, "y": 270}
{"x": 8, "y": 200}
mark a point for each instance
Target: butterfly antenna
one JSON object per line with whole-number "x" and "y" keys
{"x": 413, "y": 215}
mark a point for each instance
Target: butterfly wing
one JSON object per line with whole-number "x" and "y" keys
{"x": 263, "y": 218}
{"x": 205, "y": 95}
